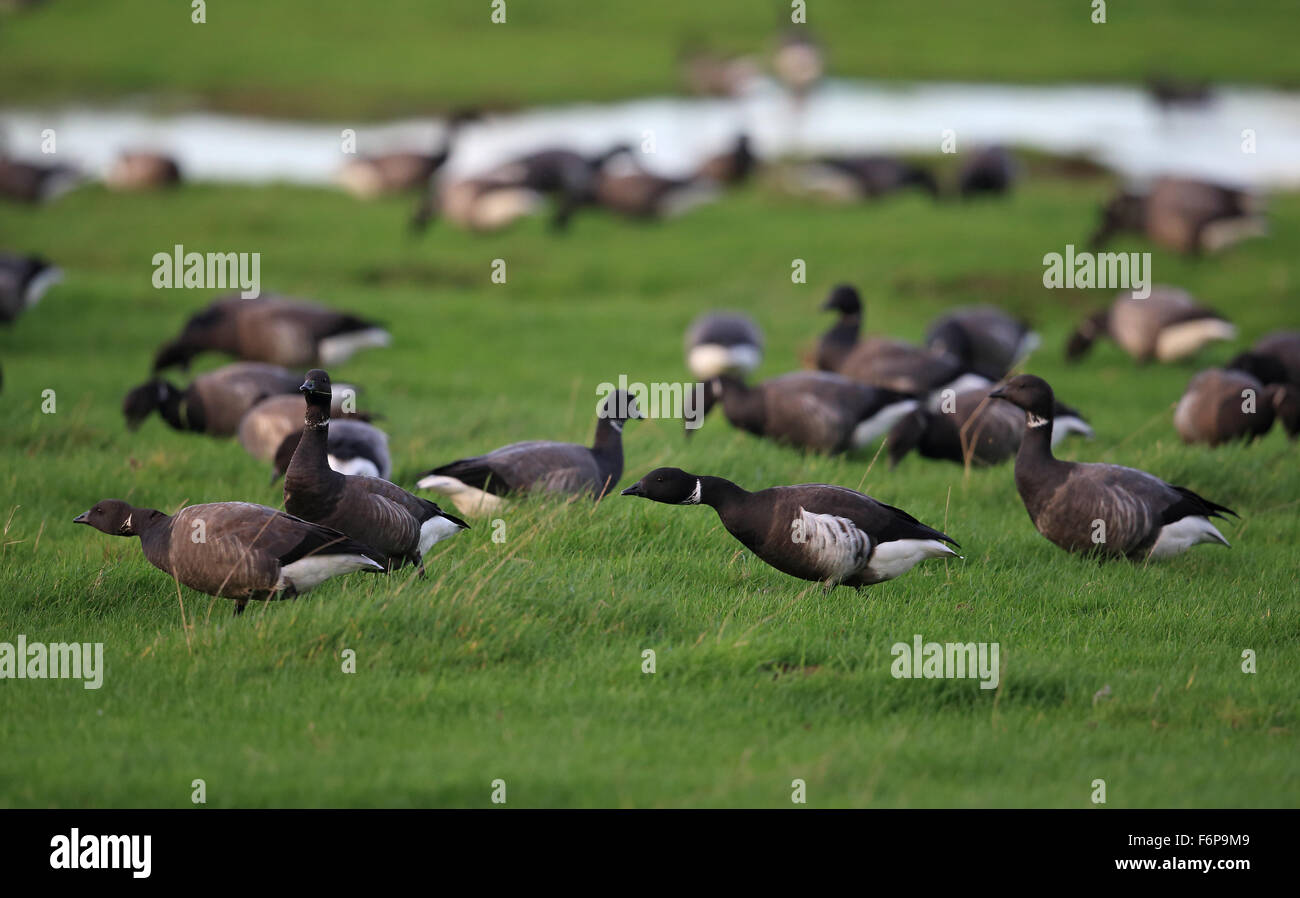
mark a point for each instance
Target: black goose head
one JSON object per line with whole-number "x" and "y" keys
{"x": 113, "y": 516}
{"x": 844, "y": 299}
{"x": 619, "y": 408}
{"x": 173, "y": 354}
{"x": 317, "y": 391}
{"x": 154, "y": 395}
{"x": 1264, "y": 368}
{"x": 672, "y": 486}
{"x": 1033, "y": 394}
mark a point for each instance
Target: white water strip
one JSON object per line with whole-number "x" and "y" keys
{"x": 1119, "y": 127}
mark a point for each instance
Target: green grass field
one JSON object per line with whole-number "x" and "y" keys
{"x": 521, "y": 660}
{"x": 340, "y": 58}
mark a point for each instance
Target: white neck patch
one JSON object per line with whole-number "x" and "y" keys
{"x": 616, "y": 424}
{"x": 126, "y": 525}
{"x": 694, "y": 497}
{"x": 1034, "y": 421}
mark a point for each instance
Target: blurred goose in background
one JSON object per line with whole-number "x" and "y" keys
{"x": 402, "y": 527}
{"x": 1107, "y": 509}
{"x": 1275, "y": 358}
{"x": 28, "y": 182}
{"x": 970, "y": 423}
{"x": 271, "y": 328}
{"x": 275, "y": 423}
{"x": 248, "y": 551}
{"x": 23, "y": 281}
{"x": 367, "y": 177}
{"x": 813, "y": 531}
{"x": 991, "y": 171}
{"x": 709, "y": 74}
{"x": 1182, "y": 214}
{"x": 723, "y": 343}
{"x": 1225, "y": 405}
{"x": 731, "y": 168}
{"x": 214, "y": 403}
{"x": 478, "y": 485}
{"x": 1168, "y": 325}
{"x": 353, "y": 447}
{"x": 143, "y": 171}
{"x": 987, "y": 340}
{"x": 814, "y": 410}
{"x": 850, "y": 178}
{"x": 838, "y": 342}
{"x": 631, "y": 192}
{"x": 799, "y": 62}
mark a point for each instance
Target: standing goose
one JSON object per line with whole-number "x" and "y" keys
{"x": 1223, "y": 405}
{"x": 1108, "y": 509}
{"x": 814, "y": 410}
{"x": 987, "y": 340}
{"x": 813, "y": 531}
{"x": 23, "y": 281}
{"x": 838, "y": 342}
{"x": 477, "y": 485}
{"x": 720, "y": 343}
{"x": 1168, "y": 325}
{"x": 214, "y": 403}
{"x": 273, "y": 329}
{"x": 235, "y": 550}
{"x": 400, "y": 526}
{"x": 354, "y": 447}
{"x": 1182, "y": 214}
{"x": 970, "y": 422}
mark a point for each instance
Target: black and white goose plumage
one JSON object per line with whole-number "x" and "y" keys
{"x": 400, "y": 526}
{"x": 720, "y": 343}
{"x": 1109, "y": 510}
{"x": 480, "y": 484}
{"x": 813, "y": 531}
{"x": 23, "y": 281}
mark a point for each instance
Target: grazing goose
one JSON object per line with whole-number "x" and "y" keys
{"x": 382, "y": 515}
{"x": 814, "y": 410}
{"x": 353, "y": 447}
{"x": 273, "y": 329}
{"x": 1168, "y": 325}
{"x": 477, "y": 204}
{"x": 235, "y": 550}
{"x": 1108, "y": 509}
{"x": 631, "y": 192}
{"x": 1182, "y": 214}
{"x": 990, "y": 431}
{"x": 987, "y": 340}
{"x": 864, "y": 177}
{"x": 477, "y": 485}
{"x": 367, "y": 177}
{"x": 731, "y": 168}
{"x": 812, "y": 531}
{"x": 263, "y": 428}
{"x": 992, "y": 170}
{"x": 214, "y": 403}
{"x": 30, "y": 183}
{"x": 143, "y": 171}
{"x": 23, "y": 281}
{"x": 720, "y": 343}
{"x": 1220, "y": 406}
{"x": 838, "y": 342}
{"x": 1275, "y": 358}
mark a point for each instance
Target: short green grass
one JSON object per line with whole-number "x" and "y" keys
{"x": 332, "y": 58}
{"x": 521, "y": 659}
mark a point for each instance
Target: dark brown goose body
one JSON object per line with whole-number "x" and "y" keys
{"x": 986, "y": 340}
{"x": 1221, "y": 406}
{"x": 838, "y": 343}
{"x": 235, "y": 550}
{"x": 876, "y": 176}
{"x": 812, "y": 531}
{"x": 270, "y": 328}
{"x": 1182, "y": 214}
{"x": 214, "y": 403}
{"x": 1165, "y": 326}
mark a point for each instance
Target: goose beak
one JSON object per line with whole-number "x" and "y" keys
{"x": 998, "y": 394}
{"x": 81, "y": 518}
{"x": 633, "y": 490}
{"x": 308, "y": 387}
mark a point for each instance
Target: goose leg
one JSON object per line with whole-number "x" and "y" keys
{"x": 240, "y": 605}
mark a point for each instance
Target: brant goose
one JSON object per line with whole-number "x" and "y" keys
{"x": 400, "y": 526}
{"x": 477, "y": 204}
{"x": 353, "y": 447}
{"x": 987, "y": 340}
{"x": 1182, "y": 214}
{"x": 1275, "y": 358}
{"x": 634, "y": 193}
{"x": 246, "y": 552}
{"x": 989, "y": 431}
{"x": 143, "y": 171}
{"x": 863, "y": 177}
{"x": 1108, "y": 509}
{"x": 992, "y": 170}
{"x": 814, "y": 410}
{"x": 23, "y": 281}
{"x": 1220, "y": 406}
{"x": 836, "y": 344}
{"x": 29, "y": 183}
{"x": 1168, "y": 325}
{"x": 477, "y": 485}
{"x": 264, "y": 427}
{"x": 370, "y": 176}
{"x": 213, "y": 403}
{"x": 720, "y": 343}
{"x": 273, "y": 329}
{"x": 812, "y": 531}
